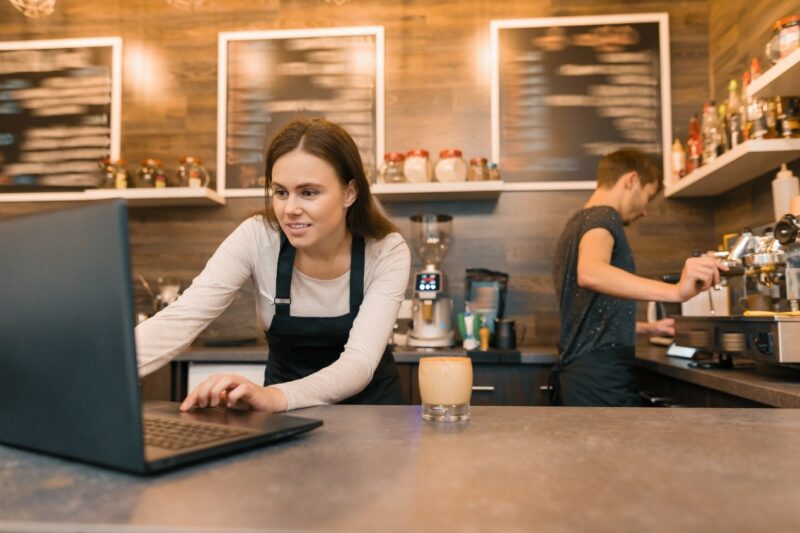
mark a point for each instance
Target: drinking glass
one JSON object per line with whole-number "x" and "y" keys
{"x": 445, "y": 386}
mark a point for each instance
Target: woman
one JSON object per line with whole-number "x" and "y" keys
{"x": 330, "y": 272}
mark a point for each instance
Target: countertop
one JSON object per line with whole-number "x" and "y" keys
{"x": 381, "y": 468}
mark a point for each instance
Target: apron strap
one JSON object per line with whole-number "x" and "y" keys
{"x": 283, "y": 281}
{"x": 356, "y": 274}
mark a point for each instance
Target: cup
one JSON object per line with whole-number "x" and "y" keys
{"x": 445, "y": 386}
{"x": 506, "y": 333}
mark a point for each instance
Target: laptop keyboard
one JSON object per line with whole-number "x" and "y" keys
{"x": 178, "y": 434}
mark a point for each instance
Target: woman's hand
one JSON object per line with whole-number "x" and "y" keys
{"x": 235, "y": 392}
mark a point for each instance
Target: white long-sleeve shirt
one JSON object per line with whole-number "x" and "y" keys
{"x": 251, "y": 252}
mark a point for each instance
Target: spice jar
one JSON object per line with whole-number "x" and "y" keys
{"x": 418, "y": 167}
{"x": 478, "y": 171}
{"x": 450, "y": 167}
{"x": 785, "y": 38}
{"x": 392, "y": 168}
{"x": 151, "y": 174}
{"x": 494, "y": 172}
{"x": 788, "y": 110}
{"x": 113, "y": 174}
{"x": 192, "y": 173}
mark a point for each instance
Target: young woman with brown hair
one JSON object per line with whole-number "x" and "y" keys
{"x": 330, "y": 272}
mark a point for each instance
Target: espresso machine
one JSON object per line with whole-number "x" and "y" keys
{"x": 766, "y": 324}
{"x": 432, "y": 310}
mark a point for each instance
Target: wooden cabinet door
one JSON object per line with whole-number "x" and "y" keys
{"x": 498, "y": 384}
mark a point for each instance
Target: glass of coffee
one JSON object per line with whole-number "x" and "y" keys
{"x": 445, "y": 386}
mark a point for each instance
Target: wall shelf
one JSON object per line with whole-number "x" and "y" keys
{"x": 782, "y": 79}
{"x": 420, "y": 192}
{"x": 739, "y": 165}
{"x": 170, "y": 196}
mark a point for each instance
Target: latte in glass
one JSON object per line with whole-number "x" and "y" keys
{"x": 445, "y": 386}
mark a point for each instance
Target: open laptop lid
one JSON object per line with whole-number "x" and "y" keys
{"x": 68, "y": 377}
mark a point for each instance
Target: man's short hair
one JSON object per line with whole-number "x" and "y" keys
{"x": 616, "y": 164}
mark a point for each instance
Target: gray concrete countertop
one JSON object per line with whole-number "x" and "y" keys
{"x": 381, "y": 468}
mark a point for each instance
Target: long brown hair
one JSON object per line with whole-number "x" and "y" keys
{"x": 331, "y": 143}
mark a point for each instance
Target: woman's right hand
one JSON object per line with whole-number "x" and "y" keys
{"x": 235, "y": 392}
{"x": 699, "y": 274}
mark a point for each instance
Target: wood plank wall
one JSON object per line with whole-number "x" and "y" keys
{"x": 738, "y": 31}
{"x": 437, "y": 95}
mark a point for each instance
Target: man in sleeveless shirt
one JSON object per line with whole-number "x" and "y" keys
{"x": 597, "y": 287}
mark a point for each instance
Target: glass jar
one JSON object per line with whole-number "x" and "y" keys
{"x": 494, "y": 171}
{"x": 451, "y": 166}
{"x": 113, "y": 174}
{"x": 392, "y": 168}
{"x": 418, "y": 167}
{"x": 192, "y": 173}
{"x": 785, "y": 38}
{"x": 151, "y": 174}
{"x": 788, "y": 110}
{"x": 478, "y": 170}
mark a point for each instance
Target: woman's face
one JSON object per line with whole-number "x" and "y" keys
{"x": 309, "y": 201}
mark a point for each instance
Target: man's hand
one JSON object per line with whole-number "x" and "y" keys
{"x": 699, "y": 274}
{"x": 235, "y": 392}
{"x": 660, "y": 328}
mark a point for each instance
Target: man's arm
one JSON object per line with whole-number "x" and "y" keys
{"x": 596, "y": 273}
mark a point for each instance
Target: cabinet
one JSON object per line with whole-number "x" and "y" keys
{"x": 494, "y": 383}
{"x": 665, "y": 391}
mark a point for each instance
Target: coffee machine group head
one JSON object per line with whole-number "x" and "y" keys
{"x": 432, "y": 311}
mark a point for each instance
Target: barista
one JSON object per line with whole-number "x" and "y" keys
{"x": 594, "y": 275}
{"x": 329, "y": 271}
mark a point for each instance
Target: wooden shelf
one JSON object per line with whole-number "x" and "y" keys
{"x": 782, "y": 79}
{"x": 420, "y": 192}
{"x": 170, "y": 196}
{"x": 740, "y": 165}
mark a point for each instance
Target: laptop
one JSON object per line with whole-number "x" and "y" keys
{"x": 69, "y": 384}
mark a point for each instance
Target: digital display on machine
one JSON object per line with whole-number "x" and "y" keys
{"x": 428, "y": 281}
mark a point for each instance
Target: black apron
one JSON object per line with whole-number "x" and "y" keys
{"x": 300, "y": 346}
{"x": 604, "y": 377}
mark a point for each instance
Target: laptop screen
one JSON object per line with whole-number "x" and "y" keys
{"x": 68, "y": 378}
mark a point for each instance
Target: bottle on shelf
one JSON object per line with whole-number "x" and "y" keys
{"x": 756, "y": 108}
{"x": 710, "y": 135}
{"x": 734, "y": 115}
{"x": 785, "y": 186}
{"x": 678, "y": 161}
{"x": 695, "y": 145}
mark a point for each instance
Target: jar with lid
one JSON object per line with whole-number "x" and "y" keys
{"x": 418, "y": 167}
{"x": 151, "y": 174}
{"x": 451, "y": 166}
{"x": 478, "y": 169}
{"x": 785, "y": 38}
{"x": 392, "y": 168}
{"x": 113, "y": 174}
{"x": 494, "y": 171}
{"x": 192, "y": 173}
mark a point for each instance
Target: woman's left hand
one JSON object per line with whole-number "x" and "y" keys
{"x": 235, "y": 392}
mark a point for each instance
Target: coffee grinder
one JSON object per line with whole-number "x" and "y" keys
{"x": 432, "y": 311}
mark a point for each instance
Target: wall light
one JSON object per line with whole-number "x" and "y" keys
{"x": 34, "y": 8}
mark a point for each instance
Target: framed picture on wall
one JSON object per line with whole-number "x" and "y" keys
{"x": 60, "y": 103}
{"x": 568, "y": 90}
{"x": 267, "y": 78}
